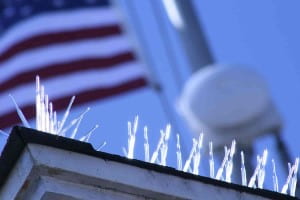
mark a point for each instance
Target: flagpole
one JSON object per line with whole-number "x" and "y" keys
{"x": 167, "y": 45}
{"x": 183, "y": 17}
{"x": 152, "y": 77}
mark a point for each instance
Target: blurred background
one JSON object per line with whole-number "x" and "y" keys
{"x": 126, "y": 58}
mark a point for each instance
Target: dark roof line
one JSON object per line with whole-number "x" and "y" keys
{"x": 21, "y": 136}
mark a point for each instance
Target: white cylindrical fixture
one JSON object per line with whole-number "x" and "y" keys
{"x": 228, "y": 102}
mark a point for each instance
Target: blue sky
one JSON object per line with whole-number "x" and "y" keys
{"x": 263, "y": 35}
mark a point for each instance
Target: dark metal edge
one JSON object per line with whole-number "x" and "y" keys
{"x": 21, "y": 136}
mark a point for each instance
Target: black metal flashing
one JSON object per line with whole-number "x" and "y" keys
{"x": 21, "y": 136}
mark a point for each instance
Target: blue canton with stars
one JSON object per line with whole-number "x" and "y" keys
{"x": 13, "y": 11}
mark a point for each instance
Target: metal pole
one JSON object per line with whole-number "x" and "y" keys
{"x": 183, "y": 16}
{"x": 154, "y": 83}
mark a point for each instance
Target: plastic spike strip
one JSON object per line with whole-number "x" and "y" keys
{"x": 46, "y": 121}
{"x": 46, "y": 117}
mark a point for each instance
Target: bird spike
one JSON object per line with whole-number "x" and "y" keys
{"x": 262, "y": 172}
{"x": 67, "y": 112}
{"x": 211, "y": 161}
{"x": 178, "y": 153}
{"x": 164, "y": 146}
{"x": 188, "y": 161}
{"x": 160, "y": 142}
{"x": 38, "y": 102}
{"x": 132, "y": 129}
{"x": 20, "y": 113}
{"x": 102, "y": 145}
{"x": 88, "y": 135}
{"x": 229, "y": 164}
{"x": 251, "y": 183}
{"x": 275, "y": 178}
{"x": 243, "y": 170}
{"x": 294, "y": 178}
{"x": 221, "y": 168}
{"x": 146, "y": 144}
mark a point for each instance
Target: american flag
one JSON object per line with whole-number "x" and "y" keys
{"x": 77, "y": 47}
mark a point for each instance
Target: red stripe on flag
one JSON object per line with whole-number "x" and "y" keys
{"x": 12, "y": 118}
{"x": 65, "y": 68}
{"x": 59, "y": 37}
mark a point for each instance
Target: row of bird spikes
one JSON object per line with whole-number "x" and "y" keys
{"x": 46, "y": 121}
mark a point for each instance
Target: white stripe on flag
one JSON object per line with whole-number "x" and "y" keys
{"x": 60, "y": 53}
{"x": 71, "y": 84}
{"x": 57, "y": 22}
